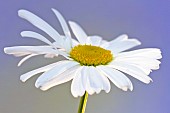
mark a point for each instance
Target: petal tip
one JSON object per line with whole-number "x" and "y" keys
{"x": 54, "y": 10}
{"x": 131, "y": 88}
{"x": 107, "y": 91}
{"x": 137, "y": 42}
{"x": 42, "y": 88}
{"x": 150, "y": 80}
{"x": 125, "y": 35}
{"x": 37, "y": 85}
{"x": 22, "y": 33}
{"x": 72, "y": 23}
{"x": 124, "y": 88}
{"x": 5, "y": 50}
{"x": 22, "y": 79}
{"x": 20, "y": 12}
{"x": 18, "y": 64}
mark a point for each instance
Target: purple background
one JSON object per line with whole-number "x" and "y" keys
{"x": 146, "y": 20}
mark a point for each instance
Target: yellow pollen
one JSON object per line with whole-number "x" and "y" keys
{"x": 91, "y": 55}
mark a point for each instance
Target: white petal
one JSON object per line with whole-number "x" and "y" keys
{"x": 67, "y": 41}
{"x": 62, "y": 22}
{"x": 26, "y": 58}
{"x": 121, "y": 38}
{"x": 121, "y": 43}
{"x": 143, "y": 68}
{"x": 28, "y": 75}
{"x": 86, "y": 81}
{"x": 54, "y": 72}
{"x": 78, "y": 32}
{"x": 41, "y": 24}
{"x": 35, "y": 35}
{"x": 75, "y": 43}
{"x": 94, "y": 40}
{"x": 67, "y": 44}
{"x": 77, "y": 88}
{"x": 153, "y": 53}
{"x": 17, "y": 54}
{"x": 26, "y": 50}
{"x": 50, "y": 55}
{"x": 117, "y": 40}
{"x": 61, "y": 78}
{"x": 118, "y": 78}
{"x": 95, "y": 81}
{"x": 131, "y": 70}
{"x": 103, "y": 42}
{"x": 141, "y": 61}
{"x": 122, "y": 46}
{"x": 102, "y": 79}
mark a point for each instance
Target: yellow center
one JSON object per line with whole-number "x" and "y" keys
{"x": 91, "y": 55}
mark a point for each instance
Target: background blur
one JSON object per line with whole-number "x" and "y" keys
{"x": 146, "y": 20}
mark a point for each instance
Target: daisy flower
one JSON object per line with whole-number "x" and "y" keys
{"x": 90, "y": 62}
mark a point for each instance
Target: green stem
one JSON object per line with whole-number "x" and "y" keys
{"x": 83, "y": 102}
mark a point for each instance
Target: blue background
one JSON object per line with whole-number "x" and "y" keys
{"x": 146, "y": 20}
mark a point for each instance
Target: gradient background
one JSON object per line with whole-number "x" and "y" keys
{"x": 146, "y": 20}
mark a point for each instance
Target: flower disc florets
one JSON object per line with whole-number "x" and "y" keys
{"x": 91, "y": 55}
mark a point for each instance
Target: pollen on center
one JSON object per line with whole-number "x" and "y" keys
{"x": 91, "y": 55}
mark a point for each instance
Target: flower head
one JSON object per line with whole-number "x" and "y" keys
{"x": 90, "y": 61}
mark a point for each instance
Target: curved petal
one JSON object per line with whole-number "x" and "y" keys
{"x": 26, "y": 50}
{"x": 131, "y": 70}
{"x": 96, "y": 81}
{"x": 118, "y": 78}
{"x": 120, "y": 38}
{"x": 61, "y": 78}
{"x": 78, "y": 32}
{"x": 86, "y": 81}
{"x": 104, "y": 81}
{"x": 141, "y": 61}
{"x": 143, "y": 68}
{"x": 94, "y": 40}
{"x": 50, "y": 55}
{"x": 35, "y": 35}
{"x": 67, "y": 41}
{"x": 62, "y": 22}
{"x": 41, "y": 24}
{"x": 31, "y": 55}
{"x": 121, "y": 43}
{"x": 117, "y": 40}
{"x": 26, "y": 58}
{"x": 77, "y": 88}
{"x": 28, "y": 75}
{"x": 54, "y": 72}
{"x": 153, "y": 53}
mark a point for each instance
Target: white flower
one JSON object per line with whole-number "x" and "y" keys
{"x": 90, "y": 61}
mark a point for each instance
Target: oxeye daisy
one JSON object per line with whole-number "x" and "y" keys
{"x": 90, "y": 62}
